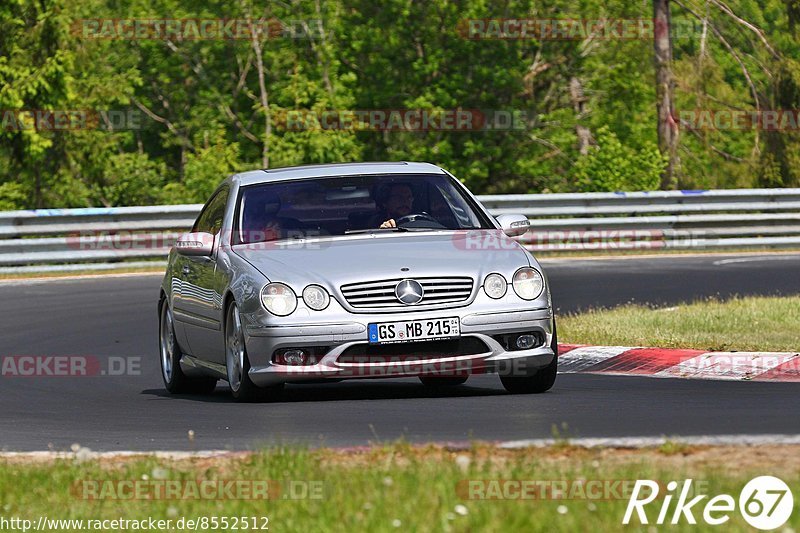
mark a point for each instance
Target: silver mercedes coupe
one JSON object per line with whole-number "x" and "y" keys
{"x": 352, "y": 271}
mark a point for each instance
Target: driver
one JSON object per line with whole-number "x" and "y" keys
{"x": 395, "y": 201}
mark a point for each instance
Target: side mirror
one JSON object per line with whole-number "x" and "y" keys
{"x": 197, "y": 244}
{"x": 514, "y": 225}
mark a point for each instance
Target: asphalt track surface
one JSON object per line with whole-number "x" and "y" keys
{"x": 116, "y": 317}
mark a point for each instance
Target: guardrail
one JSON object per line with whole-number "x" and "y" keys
{"x": 100, "y": 238}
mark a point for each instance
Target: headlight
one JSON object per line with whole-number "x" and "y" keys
{"x": 495, "y": 286}
{"x": 316, "y": 297}
{"x": 528, "y": 283}
{"x": 278, "y": 299}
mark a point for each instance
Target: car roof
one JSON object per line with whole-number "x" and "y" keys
{"x": 337, "y": 169}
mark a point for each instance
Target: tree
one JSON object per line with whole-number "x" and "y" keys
{"x": 210, "y": 107}
{"x": 667, "y": 127}
{"x": 35, "y": 75}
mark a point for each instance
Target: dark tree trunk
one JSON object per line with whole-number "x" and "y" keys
{"x": 667, "y": 126}
{"x": 585, "y": 139}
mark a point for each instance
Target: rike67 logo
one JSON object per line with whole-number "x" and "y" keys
{"x": 765, "y": 503}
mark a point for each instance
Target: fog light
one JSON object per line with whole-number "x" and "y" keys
{"x": 293, "y": 357}
{"x": 525, "y": 342}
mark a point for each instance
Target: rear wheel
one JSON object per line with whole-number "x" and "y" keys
{"x": 437, "y": 381}
{"x": 175, "y": 381}
{"x": 541, "y": 381}
{"x": 238, "y": 365}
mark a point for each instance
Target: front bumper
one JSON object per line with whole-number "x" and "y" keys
{"x": 263, "y": 340}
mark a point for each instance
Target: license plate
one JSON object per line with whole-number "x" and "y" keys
{"x": 414, "y": 330}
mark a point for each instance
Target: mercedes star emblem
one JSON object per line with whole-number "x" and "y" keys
{"x": 409, "y": 292}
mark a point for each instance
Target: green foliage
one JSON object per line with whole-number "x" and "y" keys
{"x": 611, "y": 166}
{"x": 203, "y": 116}
{"x": 132, "y": 179}
{"x": 12, "y": 196}
{"x": 36, "y": 72}
{"x": 206, "y": 168}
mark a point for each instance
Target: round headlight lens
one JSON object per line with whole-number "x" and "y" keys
{"x": 528, "y": 283}
{"x": 495, "y": 286}
{"x": 278, "y": 299}
{"x": 316, "y": 297}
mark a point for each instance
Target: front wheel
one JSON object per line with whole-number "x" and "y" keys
{"x": 175, "y": 381}
{"x": 238, "y": 365}
{"x": 542, "y": 381}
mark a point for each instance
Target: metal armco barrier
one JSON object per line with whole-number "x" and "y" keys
{"x": 60, "y": 239}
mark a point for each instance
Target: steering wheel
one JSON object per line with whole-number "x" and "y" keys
{"x": 413, "y": 219}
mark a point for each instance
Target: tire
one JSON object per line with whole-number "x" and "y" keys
{"x": 238, "y": 364}
{"x": 436, "y": 381}
{"x": 175, "y": 381}
{"x": 542, "y": 381}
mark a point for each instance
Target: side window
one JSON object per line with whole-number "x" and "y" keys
{"x": 210, "y": 218}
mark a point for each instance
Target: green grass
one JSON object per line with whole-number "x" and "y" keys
{"x": 743, "y": 324}
{"x": 671, "y": 447}
{"x": 387, "y": 488}
{"x": 73, "y": 273}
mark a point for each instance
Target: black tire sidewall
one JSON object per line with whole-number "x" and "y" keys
{"x": 248, "y": 391}
{"x": 544, "y": 378}
{"x": 180, "y": 382}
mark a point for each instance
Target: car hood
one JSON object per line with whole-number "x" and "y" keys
{"x": 333, "y": 262}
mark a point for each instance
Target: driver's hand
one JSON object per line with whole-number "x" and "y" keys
{"x": 389, "y": 224}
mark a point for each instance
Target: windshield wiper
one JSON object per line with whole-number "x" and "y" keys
{"x": 370, "y": 230}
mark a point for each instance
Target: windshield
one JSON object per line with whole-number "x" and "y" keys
{"x": 342, "y": 205}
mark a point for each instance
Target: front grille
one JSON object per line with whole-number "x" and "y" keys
{"x": 375, "y": 294}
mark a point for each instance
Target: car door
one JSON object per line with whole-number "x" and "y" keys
{"x": 202, "y": 286}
